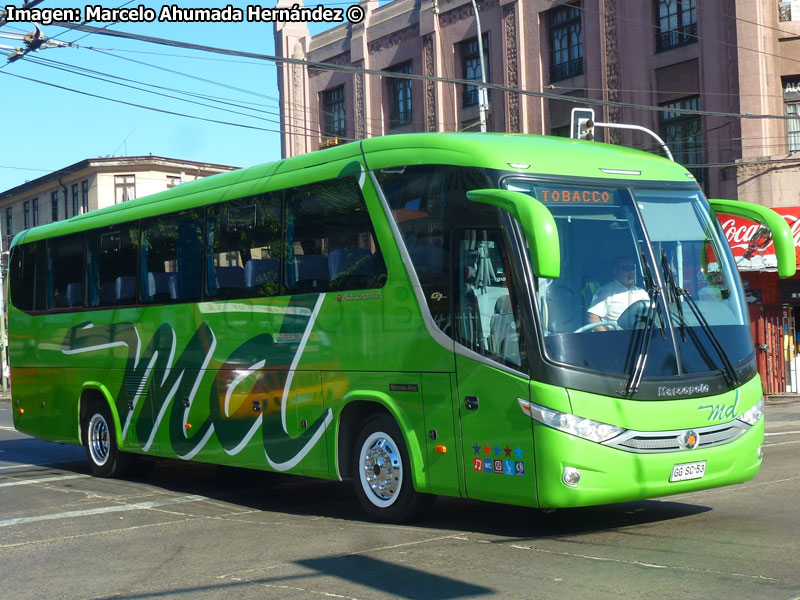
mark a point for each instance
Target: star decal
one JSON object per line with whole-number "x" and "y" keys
{"x": 507, "y": 450}
{"x": 477, "y": 449}
{"x": 497, "y": 450}
{"x": 487, "y": 449}
{"x": 518, "y": 452}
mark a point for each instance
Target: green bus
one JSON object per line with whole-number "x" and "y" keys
{"x": 419, "y": 314}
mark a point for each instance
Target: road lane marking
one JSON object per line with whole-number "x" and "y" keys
{"x": 782, "y": 433}
{"x": 47, "y": 464}
{"x": 43, "y": 480}
{"x": 6, "y": 428}
{"x": 103, "y": 510}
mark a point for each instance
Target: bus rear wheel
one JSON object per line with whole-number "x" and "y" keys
{"x": 100, "y": 441}
{"x": 383, "y": 474}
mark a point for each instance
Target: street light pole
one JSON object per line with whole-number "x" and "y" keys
{"x": 483, "y": 96}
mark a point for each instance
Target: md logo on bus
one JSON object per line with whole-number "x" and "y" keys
{"x": 721, "y": 411}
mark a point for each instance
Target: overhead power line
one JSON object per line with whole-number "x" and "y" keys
{"x": 391, "y": 74}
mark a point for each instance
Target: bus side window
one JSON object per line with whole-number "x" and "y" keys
{"x": 486, "y": 315}
{"x": 330, "y": 242}
{"x": 111, "y": 256}
{"x": 65, "y": 272}
{"x": 28, "y": 276}
{"x": 244, "y": 246}
{"x": 171, "y": 258}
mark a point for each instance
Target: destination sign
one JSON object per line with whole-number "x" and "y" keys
{"x": 572, "y": 195}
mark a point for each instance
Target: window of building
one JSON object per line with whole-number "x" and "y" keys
{"x": 791, "y": 97}
{"x": 677, "y": 24}
{"x": 471, "y": 67}
{"x": 9, "y": 225}
{"x": 682, "y": 133}
{"x": 793, "y": 126}
{"x": 111, "y": 255}
{"x": 400, "y": 97}
{"x": 566, "y": 42}
{"x": 54, "y": 206}
{"x": 124, "y": 188}
{"x": 84, "y": 196}
{"x": 76, "y": 201}
{"x": 26, "y": 215}
{"x": 35, "y": 212}
{"x": 333, "y": 112}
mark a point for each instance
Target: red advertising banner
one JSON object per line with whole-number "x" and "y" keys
{"x": 747, "y": 238}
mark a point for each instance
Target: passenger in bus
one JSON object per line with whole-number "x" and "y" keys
{"x": 612, "y": 299}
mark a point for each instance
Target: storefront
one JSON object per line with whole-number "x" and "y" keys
{"x": 774, "y": 303}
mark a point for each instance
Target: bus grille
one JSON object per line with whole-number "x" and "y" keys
{"x": 670, "y": 441}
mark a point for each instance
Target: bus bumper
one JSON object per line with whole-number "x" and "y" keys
{"x": 606, "y": 474}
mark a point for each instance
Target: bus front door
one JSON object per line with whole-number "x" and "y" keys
{"x": 497, "y": 437}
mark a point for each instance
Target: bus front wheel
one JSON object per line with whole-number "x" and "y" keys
{"x": 383, "y": 473}
{"x": 100, "y": 442}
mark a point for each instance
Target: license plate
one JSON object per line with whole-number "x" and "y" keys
{"x": 687, "y": 471}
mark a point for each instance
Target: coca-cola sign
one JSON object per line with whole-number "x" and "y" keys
{"x": 752, "y": 250}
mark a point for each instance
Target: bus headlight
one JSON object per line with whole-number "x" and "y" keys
{"x": 587, "y": 429}
{"x": 752, "y": 416}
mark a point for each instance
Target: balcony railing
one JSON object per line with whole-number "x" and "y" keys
{"x": 676, "y": 37}
{"x": 565, "y": 70}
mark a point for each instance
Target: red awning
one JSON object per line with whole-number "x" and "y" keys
{"x": 743, "y": 236}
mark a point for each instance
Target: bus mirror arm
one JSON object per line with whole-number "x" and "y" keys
{"x": 537, "y": 223}
{"x": 781, "y": 233}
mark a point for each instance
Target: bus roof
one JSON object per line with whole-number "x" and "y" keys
{"x": 524, "y": 153}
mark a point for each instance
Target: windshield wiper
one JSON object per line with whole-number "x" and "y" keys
{"x": 643, "y": 340}
{"x": 677, "y": 292}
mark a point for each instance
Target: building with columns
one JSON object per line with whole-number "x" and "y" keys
{"x": 735, "y": 62}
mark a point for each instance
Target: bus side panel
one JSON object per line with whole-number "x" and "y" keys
{"x": 397, "y": 392}
{"x": 442, "y": 443}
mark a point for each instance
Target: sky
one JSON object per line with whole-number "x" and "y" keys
{"x": 44, "y": 128}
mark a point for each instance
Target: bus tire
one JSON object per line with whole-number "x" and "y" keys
{"x": 382, "y": 479}
{"x": 100, "y": 441}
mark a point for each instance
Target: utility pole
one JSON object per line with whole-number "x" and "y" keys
{"x": 483, "y": 95}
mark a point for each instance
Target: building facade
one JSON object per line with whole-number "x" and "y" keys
{"x": 91, "y": 184}
{"x": 718, "y": 80}
{"x": 651, "y": 62}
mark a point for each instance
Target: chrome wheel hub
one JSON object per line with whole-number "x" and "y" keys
{"x": 381, "y": 469}
{"x": 98, "y": 441}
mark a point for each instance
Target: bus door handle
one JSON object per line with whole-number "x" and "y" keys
{"x": 471, "y": 402}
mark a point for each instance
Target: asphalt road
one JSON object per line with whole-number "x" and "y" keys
{"x": 196, "y": 531}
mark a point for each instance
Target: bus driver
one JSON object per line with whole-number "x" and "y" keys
{"x": 611, "y": 300}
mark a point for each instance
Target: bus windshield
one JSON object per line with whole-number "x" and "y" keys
{"x": 632, "y": 260}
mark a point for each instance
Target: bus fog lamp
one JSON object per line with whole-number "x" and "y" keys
{"x": 752, "y": 416}
{"x": 761, "y": 453}
{"x": 571, "y": 476}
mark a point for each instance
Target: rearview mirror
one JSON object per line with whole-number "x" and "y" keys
{"x": 537, "y": 223}
{"x": 782, "y": 237}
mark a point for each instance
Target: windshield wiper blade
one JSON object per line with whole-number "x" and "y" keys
{"x": 674, "y": 291}
{"x": 728, "y": 369}
{"x": 643, "y": 343}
